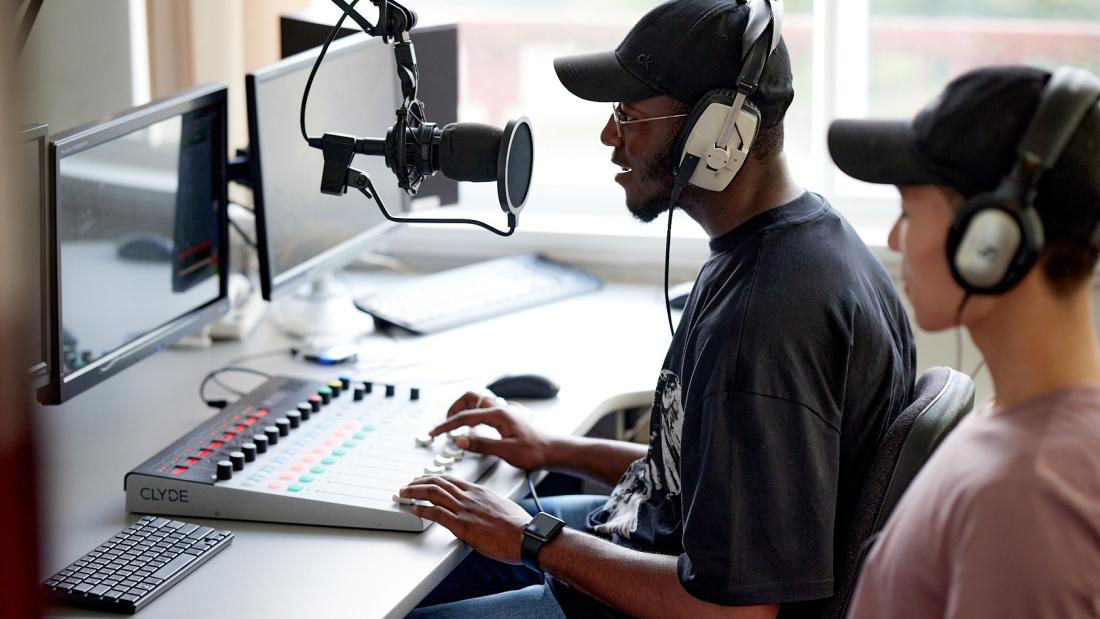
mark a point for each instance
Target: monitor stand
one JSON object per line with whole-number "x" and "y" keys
{"x": 322, "y": 311}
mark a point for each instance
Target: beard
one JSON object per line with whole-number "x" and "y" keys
{"x": 655, "y": 177}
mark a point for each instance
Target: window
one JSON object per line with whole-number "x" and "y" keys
{"x": 851, "y": 58}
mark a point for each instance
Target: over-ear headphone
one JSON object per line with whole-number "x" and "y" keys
{"x": 996, "y": 237}
{"x": 722, "y": 126}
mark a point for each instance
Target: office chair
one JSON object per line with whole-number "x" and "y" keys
{"x": 941, "y": 398}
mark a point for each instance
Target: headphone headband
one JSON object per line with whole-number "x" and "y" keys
{"x": 1065, "y": 100}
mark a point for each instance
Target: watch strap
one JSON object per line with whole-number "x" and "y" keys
{"x": 529, "y": 551}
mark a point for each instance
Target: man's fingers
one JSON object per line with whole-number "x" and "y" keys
{"x": 480, "y": 444}
{"x": 424, "y": 490}
{"x": 456, "y": 484}
{"x": 467, "y": 401}
{"x": 474, "y": 417}
{"x": 475, "y": 399}
{"x": 435, "y": 513}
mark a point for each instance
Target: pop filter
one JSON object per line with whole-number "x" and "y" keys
{"x": 514, "y": 165}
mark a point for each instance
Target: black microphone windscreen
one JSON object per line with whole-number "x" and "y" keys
{"x": 469, "y": 152}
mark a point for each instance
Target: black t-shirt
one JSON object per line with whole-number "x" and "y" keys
{"x": 792, "y": 356}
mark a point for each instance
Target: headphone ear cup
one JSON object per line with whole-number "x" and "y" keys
{"x": 700, "y": 134}
{"x": 722, "y": 96}
{"x": 990, "y": 247}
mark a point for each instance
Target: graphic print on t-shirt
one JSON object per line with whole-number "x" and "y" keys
{"x": 661, "y": 468}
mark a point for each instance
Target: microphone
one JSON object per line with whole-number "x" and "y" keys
{"x": 471, "y": 152}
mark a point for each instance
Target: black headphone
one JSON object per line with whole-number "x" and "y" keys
{"x": 996, "y": 237}
{"x": 707, "y": 136}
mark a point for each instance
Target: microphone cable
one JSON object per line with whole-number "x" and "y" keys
{"x": 370, "y": 193}
{"x": 316, "y": 65}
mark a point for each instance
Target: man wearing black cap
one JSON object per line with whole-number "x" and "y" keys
{"x": 1000, "y": 191}
{"x": 791, "y": 357}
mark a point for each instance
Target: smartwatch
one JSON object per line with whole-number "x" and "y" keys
{"x": 538, "y": 532}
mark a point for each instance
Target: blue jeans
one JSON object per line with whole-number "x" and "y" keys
{"x": 481, "y": 587}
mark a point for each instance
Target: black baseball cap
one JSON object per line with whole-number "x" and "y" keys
{"x": 681, "y": 49}
{"x": 967, "y": 138}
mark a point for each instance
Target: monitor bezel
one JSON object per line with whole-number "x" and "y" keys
{"x": 39, "y": 371}
{"x": 274, "y": 287}
{"x": 93, "y": 134}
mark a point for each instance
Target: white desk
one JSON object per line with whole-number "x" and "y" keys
{"x": 605, "y": 349}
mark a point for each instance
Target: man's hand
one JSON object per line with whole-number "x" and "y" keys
{"x": 489, "y": 523}
{"x": 520, "y": 444}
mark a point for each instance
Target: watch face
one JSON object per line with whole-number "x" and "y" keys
{"x": 544, "y": 525}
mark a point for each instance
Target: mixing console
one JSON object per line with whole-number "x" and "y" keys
{"x": 295, "y": 451}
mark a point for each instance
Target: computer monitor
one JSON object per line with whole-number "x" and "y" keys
{"x": 304, "y": 236}
{"x": 138, "y": 235}
{"x": 33, "y": 159}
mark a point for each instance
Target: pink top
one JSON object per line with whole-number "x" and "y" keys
{"x": 1003, "y": 520}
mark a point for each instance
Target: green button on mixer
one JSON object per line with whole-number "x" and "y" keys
{"x": 368, "y": 428}
{"x": 339, "y": 452}
{"x": 359, "y": 435}
{"x": 317, "y": 469}
{"x": 350, "y": 444}
{"x": 295, "y": 487}
{"x": 328, "y": 460}
{"x": 305, "y": 479}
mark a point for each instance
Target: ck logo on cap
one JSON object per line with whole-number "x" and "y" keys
{"x": 645, "y": 60}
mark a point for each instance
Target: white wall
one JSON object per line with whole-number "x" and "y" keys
{"x": 79, "y": 62}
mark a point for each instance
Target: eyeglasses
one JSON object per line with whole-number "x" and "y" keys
{"x": 621, "y": 118}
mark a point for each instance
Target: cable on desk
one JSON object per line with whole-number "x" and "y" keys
{"x": 292, "y": 351}
{"x": 212, "y": 376}
{"x": 531, "y": 487}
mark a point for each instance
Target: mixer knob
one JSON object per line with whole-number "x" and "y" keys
{"x": 326, "y": 395}
{"x": 444, "y": 461}
{"x": 368, "y": 386}
{"x": 453, "y": 452}
{"x": 315, "y": 403}
{"x": 346, "y": 382}
{"x": 390, "y": 391}
{"x": 358, "y": 393}
{"x": 424, "y": 440}
{"x": 225, "y": 470}
{"x": 249, "y": 451}
{"x": 283, "y": 425}
{"x": 236, "y": 458}
{"x": 272, "y": 434}
{"x": 434, "y": 470}
{"x": 336, "y": 387}
{"x": 305, "y": 409}
{"x": 260, "y": 441}
{"x": 414, "y": 393}
{"x": 295, "y": 418}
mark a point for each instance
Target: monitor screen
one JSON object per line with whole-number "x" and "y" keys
{"x": 301, "y": 232}
{"x": 139, "y": 232}
{"x": 33, "y": 160}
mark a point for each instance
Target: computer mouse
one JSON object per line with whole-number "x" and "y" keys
{"x": 145, "y": 247}
{"x": 524, "y": 386}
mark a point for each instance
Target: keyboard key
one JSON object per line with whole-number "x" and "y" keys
{"x": 174, "y": 566}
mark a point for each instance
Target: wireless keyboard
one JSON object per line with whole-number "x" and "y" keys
{"x": 126, "y": 572}
{"x": 476, "y": 292}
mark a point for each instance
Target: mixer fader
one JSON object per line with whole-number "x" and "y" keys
{"x": 295, "y": 451}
